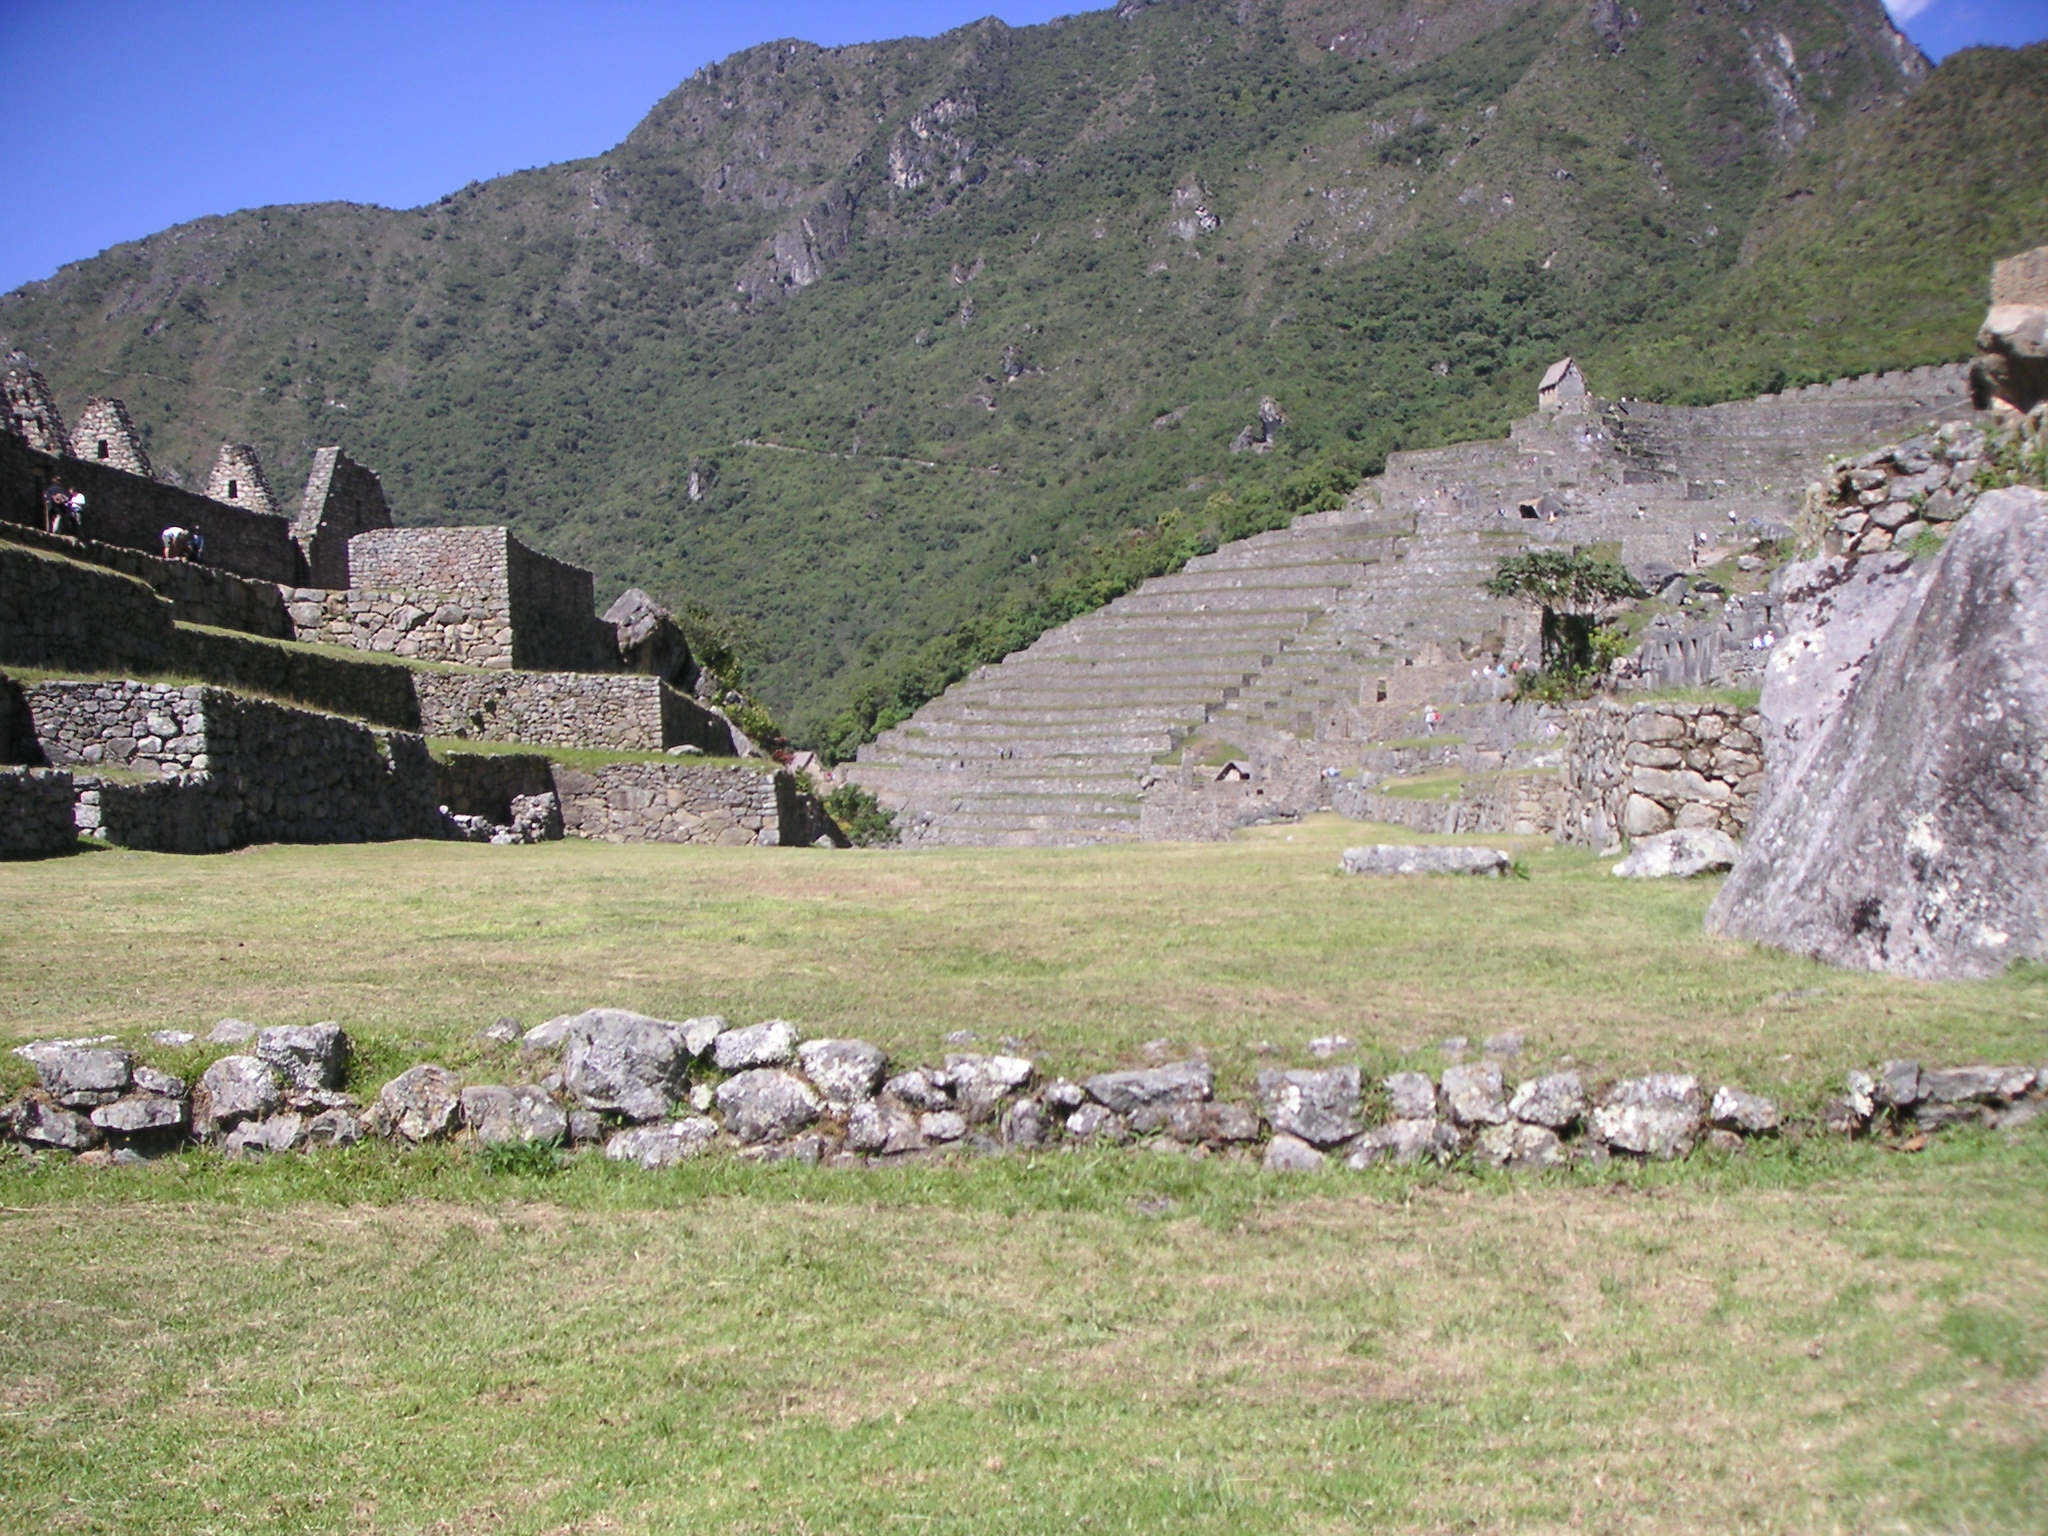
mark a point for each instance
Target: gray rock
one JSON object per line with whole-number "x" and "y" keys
{"x": 1319, "y": 1106}
{"x": 162, "y": 1084}
{"x": 1097, "y": 1122}
{"x": 1555, "y": 1101}
{"x": 1915, "y": 840}
{"x": 305, "y": 1055}
{"x": 503, "y": 1032}
{"x": 766, "y": 1104}
{"x": 771, "y": 1043}
{"x": 279, "y": 1133}
{"x": 940, "y": 1125}
{"x": 981, "y": 1083}
{"x": 233, "y": 1089}
{"x": 1406, "y": 1142}
{"x": 80, "y": 1074}
{"x": 1860, "y": 1092}
{"x": 523, "y": 1113}
{"x": 1194, "y": 1123}
{"x": 1974, "y": 1085}
{"x": 1411, "y": 1095}
{"x": 419, "y": 1104}
{"x": 1898, "y": 1084}
{"x": 1178, "y": 1082}
{"x": 1930, "y": 1115}
{"x": 1418, "y": 859}
{"x": 585, "y": 1126}
{"x": 1735, "y": 1110}
{"x": 1655, "y": 1116}
{"x": 1473, "y": 1095}
{"x": 845, "y": 1072}
{"x": 141, "y": 1112}
{"x": 1063, "y": 1097}
{"x": 334, "y": 1128}
{"x": 662, "y": 1145}
{"x": 700, "y": 1034}
{"x": 1024, "y": 1125}
{"x": 171, "y": 1037}
{"x": 231, "y": 1032}
{"x": 552, "y": 1035}
{"x": 1323, "y": 1047}
{"x": 1679, "y": 855}
{"x": 885, "y": 1127}
{"x": 1719, "y": 1140}
{"x": 624, "y": 1063}
{"x": 1518, "y": 1146}
{"x": 921, "y": 1089}
{"x": 1506, "y": 1046}
{"x": 42, "y": 1124}
{"x": 1290, "y": 1154}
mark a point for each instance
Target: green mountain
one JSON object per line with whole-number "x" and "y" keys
{"x": 896, "y": 353}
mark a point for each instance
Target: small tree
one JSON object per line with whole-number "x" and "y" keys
{"x": 1571, "y": 588}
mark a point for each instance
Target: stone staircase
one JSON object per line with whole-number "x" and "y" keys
{"x": 1299, "y": 649}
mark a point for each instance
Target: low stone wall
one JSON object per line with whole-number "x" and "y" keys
{"x": 198, "y": 594}
{"x": 471, "y": 630}
{"x": 379, "y": 692}
{"x": 1632, "y": 770}
{"x": 1528, "y": 803}
{"x": 35, "y": 813}
{"x": 679, "y": 803}
{"x": 237, "y": 770}
{"x": 569, "y": 709}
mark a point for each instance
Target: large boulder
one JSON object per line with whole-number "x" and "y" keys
{"x": 1654, "y": 1116}
{"x": 1915, "y": 840}
{"x": 622, "y": 1063}
{"x": 1421, "y": 859}
{"x": 650, "y": 640}
{"x": 1153, "y": 1088}
{"x": 846, "y": 1072}
{"x": 771, "y": 1043}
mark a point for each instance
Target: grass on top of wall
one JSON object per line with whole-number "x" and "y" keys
{"x": 588, "y": 757}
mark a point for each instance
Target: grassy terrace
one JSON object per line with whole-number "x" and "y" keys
{"x": 1810, "y": 1336}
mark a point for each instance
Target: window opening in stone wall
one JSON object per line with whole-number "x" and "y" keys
{"x": 234, "y": 491}
{"x": 103, "y": 447}
{"x": 1381, "y": 693}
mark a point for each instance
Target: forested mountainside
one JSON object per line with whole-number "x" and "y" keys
{"x": 895, "y": 353}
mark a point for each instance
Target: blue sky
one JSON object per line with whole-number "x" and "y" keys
{"x": 127, "y": 116}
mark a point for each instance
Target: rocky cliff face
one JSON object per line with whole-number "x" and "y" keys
{"x": 1914, "y": 839}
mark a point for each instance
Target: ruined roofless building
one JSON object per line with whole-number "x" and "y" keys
{"x": 238, "y": 480}
{"x": 342, "y": 499}
{"x": 32, "y": 413}
{"x": 106, "y": 435}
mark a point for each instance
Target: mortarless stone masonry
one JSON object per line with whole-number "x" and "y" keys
{"x": 1632, "y": 770}
{"x": 341, "y": 500}
{"x": 238, "y": 480}
{"x": 570, "y": 709}
{"x": 475, "y": 596}
{"x": 35, "y": 813}
{"x": 677, "y": 803}
{"x": 105, "y": 435}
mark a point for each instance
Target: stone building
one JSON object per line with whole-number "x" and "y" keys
{"x": 1563, "y": 389}
{"x": 32, "y": 413}
{"x": 341, "y": 500}
{"x": 238, "y": 480}
{"x": 105, "y": 435}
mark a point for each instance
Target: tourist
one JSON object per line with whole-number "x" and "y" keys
{"x": 175, "y": 542}
{"x": 195, "y": 546}
{"x": 61, "y": 509}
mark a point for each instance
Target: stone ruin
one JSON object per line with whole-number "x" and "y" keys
{"x": 455, "y": 632}
{"x": 658, "y": 1092}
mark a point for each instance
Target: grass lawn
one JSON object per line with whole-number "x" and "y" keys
{"x": 1812, "y": 1336}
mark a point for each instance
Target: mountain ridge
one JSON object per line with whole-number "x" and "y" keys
{"x": 1013, "y": 292}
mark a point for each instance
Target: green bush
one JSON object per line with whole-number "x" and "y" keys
{"x": 861, "y": 817}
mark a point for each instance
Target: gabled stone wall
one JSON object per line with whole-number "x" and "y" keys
{"x": 341, "y": 500}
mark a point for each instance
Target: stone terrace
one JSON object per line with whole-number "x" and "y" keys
{"x": 1312, "y": 643}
